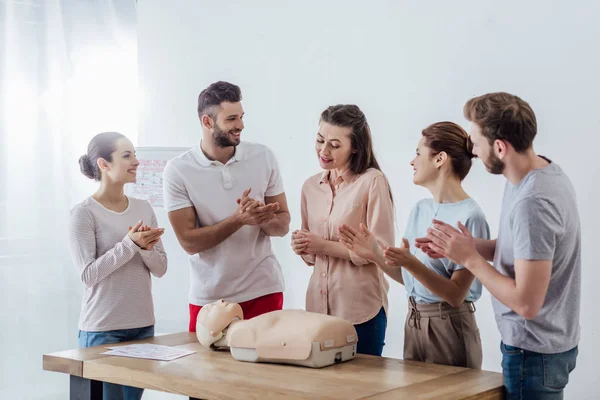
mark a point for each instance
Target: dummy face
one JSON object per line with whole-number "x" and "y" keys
{"x": 334, "y": 146}
{"x": 217, "y": 316}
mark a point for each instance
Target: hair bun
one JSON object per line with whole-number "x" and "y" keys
{"x": 85, "y": 164}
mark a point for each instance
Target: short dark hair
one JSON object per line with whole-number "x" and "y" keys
{"x": 503, "y": 116}
{"x": 216, "y": 94}
{"x": 101, "y": 146}
{"x": 453, "y": 140}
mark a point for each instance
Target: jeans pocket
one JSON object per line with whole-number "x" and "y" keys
{"x": 512, "y": 370}
{"x": 557, "y": 368}
{"x": 509, "y": 350}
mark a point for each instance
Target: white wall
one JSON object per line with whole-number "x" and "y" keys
{"x": 62, "y": 62}
{"x": 406, "y": 65}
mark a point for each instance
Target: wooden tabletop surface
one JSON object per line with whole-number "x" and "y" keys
{"x": 216, "y": 375}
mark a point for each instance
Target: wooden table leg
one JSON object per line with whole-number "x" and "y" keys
{"x": 85, "y": 389}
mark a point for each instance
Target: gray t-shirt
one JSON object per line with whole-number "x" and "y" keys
{"x": 540, "y": 221}
{"x": 420, "y": 219}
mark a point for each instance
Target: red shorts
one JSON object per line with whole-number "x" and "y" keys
{"x": 252, "y": 308}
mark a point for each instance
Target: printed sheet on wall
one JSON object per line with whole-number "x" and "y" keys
{"x": 149, "y": 184}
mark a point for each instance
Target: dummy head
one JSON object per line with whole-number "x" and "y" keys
{"x": 214, "y": 318}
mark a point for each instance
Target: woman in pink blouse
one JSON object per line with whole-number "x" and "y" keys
{"x": 351, "y": 190}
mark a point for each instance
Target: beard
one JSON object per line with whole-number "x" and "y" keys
{"x": 222, "y": 138}
{"x": 494, "y": 165}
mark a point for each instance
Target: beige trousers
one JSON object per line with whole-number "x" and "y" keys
{"x": 439, "y": 333}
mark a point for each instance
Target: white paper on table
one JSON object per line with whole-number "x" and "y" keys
{"x": 148, "y": 351}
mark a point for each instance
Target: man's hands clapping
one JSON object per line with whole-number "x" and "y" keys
{"x": 254, "y": 212}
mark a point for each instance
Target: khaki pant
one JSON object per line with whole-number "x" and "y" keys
{"x": 439, "y": 333}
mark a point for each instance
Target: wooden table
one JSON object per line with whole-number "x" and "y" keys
{"x": 216, "y": 375}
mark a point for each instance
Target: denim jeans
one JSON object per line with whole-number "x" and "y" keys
{"x": 536, "y": 376}
{"x": 371, "y": 335}
{"x": 111, "y": 391}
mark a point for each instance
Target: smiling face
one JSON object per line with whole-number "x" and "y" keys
{"x": 124, "y": 164}
{"x": 424, "y": 165}
{"x": 228, "y": 124}
{"x": 333, "y": 146}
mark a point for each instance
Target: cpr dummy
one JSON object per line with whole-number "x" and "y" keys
{"x": 286, "y": 337}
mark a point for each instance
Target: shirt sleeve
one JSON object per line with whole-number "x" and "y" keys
{"x": 175, "y": 193}
{"x": 479, "y": 228}
{"x": 536, "y": 226}
{"x": 380, "y": 215}
{"x": 309, "y": 259}
{"x": 93, "y": 268}
{"x": 155, "y": 259}
{"x": 275, "y": 185}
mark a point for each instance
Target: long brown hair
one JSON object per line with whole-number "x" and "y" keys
{"x": 350, "y": 116}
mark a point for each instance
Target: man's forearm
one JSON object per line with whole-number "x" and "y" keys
{"x": 487, "y": 248}
{"x": 500, "y": 286}
{"x": 205, "y": 238}
{"x": 278, "y": 226}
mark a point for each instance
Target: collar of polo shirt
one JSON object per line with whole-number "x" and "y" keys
{"x": 205, "y": 162}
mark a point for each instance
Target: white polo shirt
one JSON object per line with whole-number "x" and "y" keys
{"x": 243, "y": 267}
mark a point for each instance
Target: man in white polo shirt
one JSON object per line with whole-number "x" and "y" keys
{"x": 225, "y": 200}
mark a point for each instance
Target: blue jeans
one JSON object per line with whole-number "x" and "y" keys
{"x": 371, "y": 335}
{"x": 111, "y": 391}
{"x": 536, "y": 376}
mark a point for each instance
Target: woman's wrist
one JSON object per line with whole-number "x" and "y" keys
{"x": 411, "y": 263}
{"x": 378, "y": 258}
{"x": 322, "y": 246}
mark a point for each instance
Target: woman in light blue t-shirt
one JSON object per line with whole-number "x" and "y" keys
{"x": 440, "y": 325}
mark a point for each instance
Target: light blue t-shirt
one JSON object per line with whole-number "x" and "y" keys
{"x": 420, "y": 219}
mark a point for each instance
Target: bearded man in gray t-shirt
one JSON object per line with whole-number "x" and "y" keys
{"x": 535, "y": 280}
